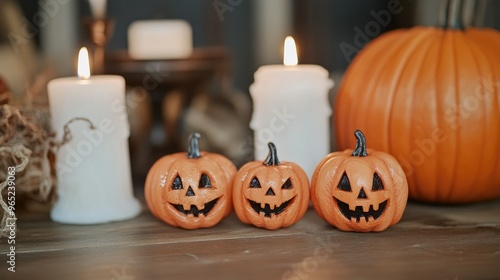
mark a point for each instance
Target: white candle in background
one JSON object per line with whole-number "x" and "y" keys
{"x": 94, "y": 183}
{"x": 98, "y": 8}
{"x": 160, "y": 39}
{"x": 291, "y": 109}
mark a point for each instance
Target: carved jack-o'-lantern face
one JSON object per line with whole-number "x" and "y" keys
{"x": 271, "y": 194}
{"x": 361, "y": 201}
{"x": 360, "y": 190}
{"x": 192, "y": 191}
{"x": 192, "y": 196}
{"x": 268, "y": 202}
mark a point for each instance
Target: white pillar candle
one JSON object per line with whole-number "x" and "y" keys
{"x": 291, "y": 109}
{"x": 94, "y": 183}
{"x": 160, "y": 39}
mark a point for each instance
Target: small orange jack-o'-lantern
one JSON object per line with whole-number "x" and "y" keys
{"x": 360, "y": 190}
{"x": 271, "y": 194}
{"x": 190, "y": 190}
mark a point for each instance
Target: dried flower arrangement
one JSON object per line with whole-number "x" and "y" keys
{"x": 26, "y": 144}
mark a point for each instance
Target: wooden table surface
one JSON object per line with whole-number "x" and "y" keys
{"x": 431, "y": 242}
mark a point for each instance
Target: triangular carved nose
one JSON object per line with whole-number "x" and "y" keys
{"x": 362, "y": 194}
{"x": 190, "y": 192}
{"x": 270, "y": 192}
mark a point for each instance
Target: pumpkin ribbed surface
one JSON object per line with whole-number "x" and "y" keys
{"x": 429, "y": 97}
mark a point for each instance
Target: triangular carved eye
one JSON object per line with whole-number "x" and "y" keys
{"x": 287, "y": 185}
{"x": 204, "y": 181}
{"x": 177, "y": 184}
{"x": 344, "y": 184}
{"x": 255, "y": 183}
{"x": 377, "y": 183}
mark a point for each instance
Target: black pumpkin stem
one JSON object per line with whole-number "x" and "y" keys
{"x": 272, "y": 157}
{"x": 360, "y": 150}
{"x": 194, "y": 147}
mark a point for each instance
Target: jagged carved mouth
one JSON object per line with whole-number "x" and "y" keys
{"x": 358, "y": 212}
{"x": 267, "y": 208}
{"x": 194, "y": 210}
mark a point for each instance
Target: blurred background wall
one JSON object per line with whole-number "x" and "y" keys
{"x": 253, "y": 30}
{"x": 39, "y": 41}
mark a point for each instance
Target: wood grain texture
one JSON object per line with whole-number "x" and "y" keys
{"x": 431, "y": 242}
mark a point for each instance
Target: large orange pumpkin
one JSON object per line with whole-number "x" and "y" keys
{"x": 192, "y": 190}
{"x": 430, "y": 97}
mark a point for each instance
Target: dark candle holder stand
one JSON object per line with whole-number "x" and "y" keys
{"x": 98, "y": 31}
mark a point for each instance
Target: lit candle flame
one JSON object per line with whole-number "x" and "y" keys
{"x": 83, "y": 64}
{"x": 290, "y": 55}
